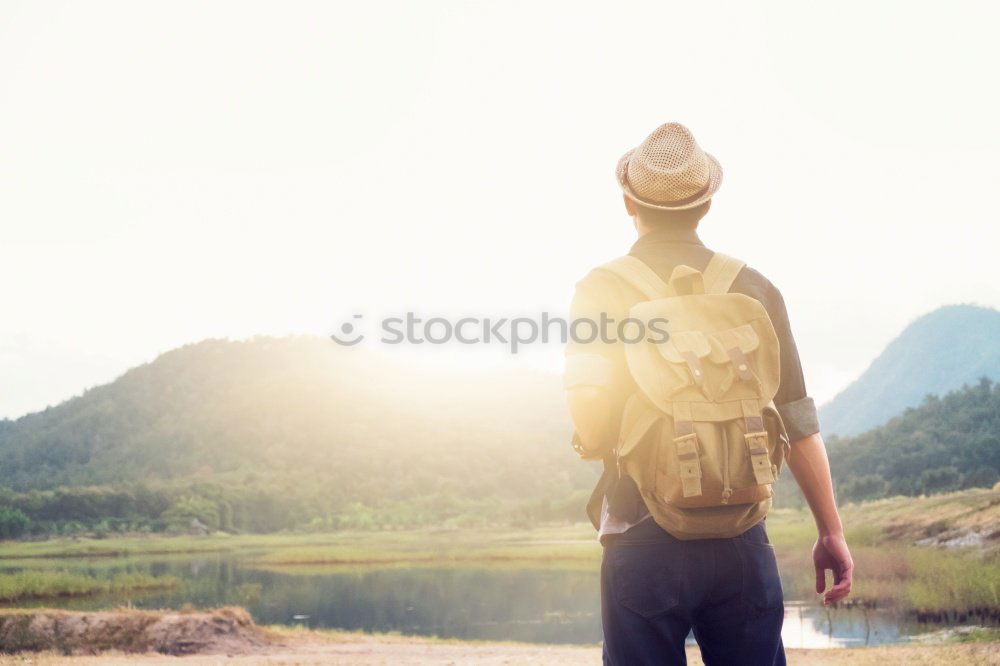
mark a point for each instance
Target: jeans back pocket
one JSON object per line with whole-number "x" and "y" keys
{"x": 647, "y": 578}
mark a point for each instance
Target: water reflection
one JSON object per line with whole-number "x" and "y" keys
{"x": 540, "y": 605}
{"x": 812, "y": 626}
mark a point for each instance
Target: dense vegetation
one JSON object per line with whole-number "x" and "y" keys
{"x": 939, "y": 352}
{"x": 947, "y": 443}
{"x": 269, "y": 434}
{"x": 273, "y": 433}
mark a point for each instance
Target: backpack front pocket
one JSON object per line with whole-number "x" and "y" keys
{"x": 711, "y": 466}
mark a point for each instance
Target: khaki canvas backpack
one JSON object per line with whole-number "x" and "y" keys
{"x": 701, "y": 429}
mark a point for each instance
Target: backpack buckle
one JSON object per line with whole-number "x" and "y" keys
{"x": 688, "y": 464}
{"x": 760, "y": 460}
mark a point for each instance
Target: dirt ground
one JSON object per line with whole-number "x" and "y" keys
{"x": 229, "y": 636}
{"x": 363, "y": 650}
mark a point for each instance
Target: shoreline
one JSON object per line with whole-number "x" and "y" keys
{"x": 228, "y": 635}
{"x": 304, "y": 647}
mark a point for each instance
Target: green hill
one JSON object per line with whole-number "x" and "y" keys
{"x": 273, "y": 433}
{"x": 291, "y": 431}
{"x": 937, "y": 353}
{"x": 946, "y": 443}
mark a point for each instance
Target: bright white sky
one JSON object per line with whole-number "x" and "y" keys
{"x": 180, "y": 170}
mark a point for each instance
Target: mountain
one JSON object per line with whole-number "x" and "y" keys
{"x": 939, "y": 352}
{"x": 946, "y": 443}
{"x": 274, "y": 432}
{"x": 298, "y": 432}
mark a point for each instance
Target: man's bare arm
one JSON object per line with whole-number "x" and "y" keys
{"x": 811, "y": 468}
{"x": 591, "y": 408}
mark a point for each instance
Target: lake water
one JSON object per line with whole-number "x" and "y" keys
{"x": 540, "y": 605}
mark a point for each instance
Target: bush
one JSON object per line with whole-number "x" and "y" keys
{"x": 940, "y": 480}
{"x": 984, "y": 477}
{"x": 865, "y": 487}
{"x": 13, "y": 522}
{"x": 186, "y": 509}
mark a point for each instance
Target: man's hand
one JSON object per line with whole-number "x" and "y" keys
{"x": 811, "y": 468}
{"x": 830, "y": 552}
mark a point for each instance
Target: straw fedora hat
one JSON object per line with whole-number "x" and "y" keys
{"x": 669, "y": 170}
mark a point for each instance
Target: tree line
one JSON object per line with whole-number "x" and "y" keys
{"x": 275, "y": 434}
{"x": 947, "y": 443}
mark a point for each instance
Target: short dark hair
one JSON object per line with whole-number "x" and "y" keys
{"x": 657, "y": 217}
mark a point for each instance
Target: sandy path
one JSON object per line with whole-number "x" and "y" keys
{"x": 363, "y": 650}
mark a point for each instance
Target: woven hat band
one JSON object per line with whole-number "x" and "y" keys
{"x": 675, "y": 202}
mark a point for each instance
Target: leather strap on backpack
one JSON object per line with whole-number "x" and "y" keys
{"x": 756, "y": 439}
{"x": 686, "y": 445}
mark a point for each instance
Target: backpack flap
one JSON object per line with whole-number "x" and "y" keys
{"x": 731, "y": 348}
{"x": 687, "y": 348}
{"x": 721, "y": 348}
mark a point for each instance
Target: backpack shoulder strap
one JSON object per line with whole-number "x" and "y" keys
{"x": 635, "y": 272}
{"x": 720, "y": 273}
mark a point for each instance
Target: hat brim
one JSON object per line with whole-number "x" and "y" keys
{"x": 714, "y": 182}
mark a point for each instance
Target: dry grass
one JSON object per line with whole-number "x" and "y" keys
{"x": 228, "y": 630}
{"x": 908, "y": 519}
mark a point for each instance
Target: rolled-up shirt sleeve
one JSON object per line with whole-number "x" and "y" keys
{"x": 800, "y": 417}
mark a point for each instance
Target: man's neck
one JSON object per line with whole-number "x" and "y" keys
{"x": 679, "y": 231}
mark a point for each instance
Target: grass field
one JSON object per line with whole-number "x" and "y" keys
{"x": 891, "y": 570}
{"x": 47, "y": 584}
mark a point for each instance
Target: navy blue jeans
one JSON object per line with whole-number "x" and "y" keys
{"x": 656, "y": 588}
